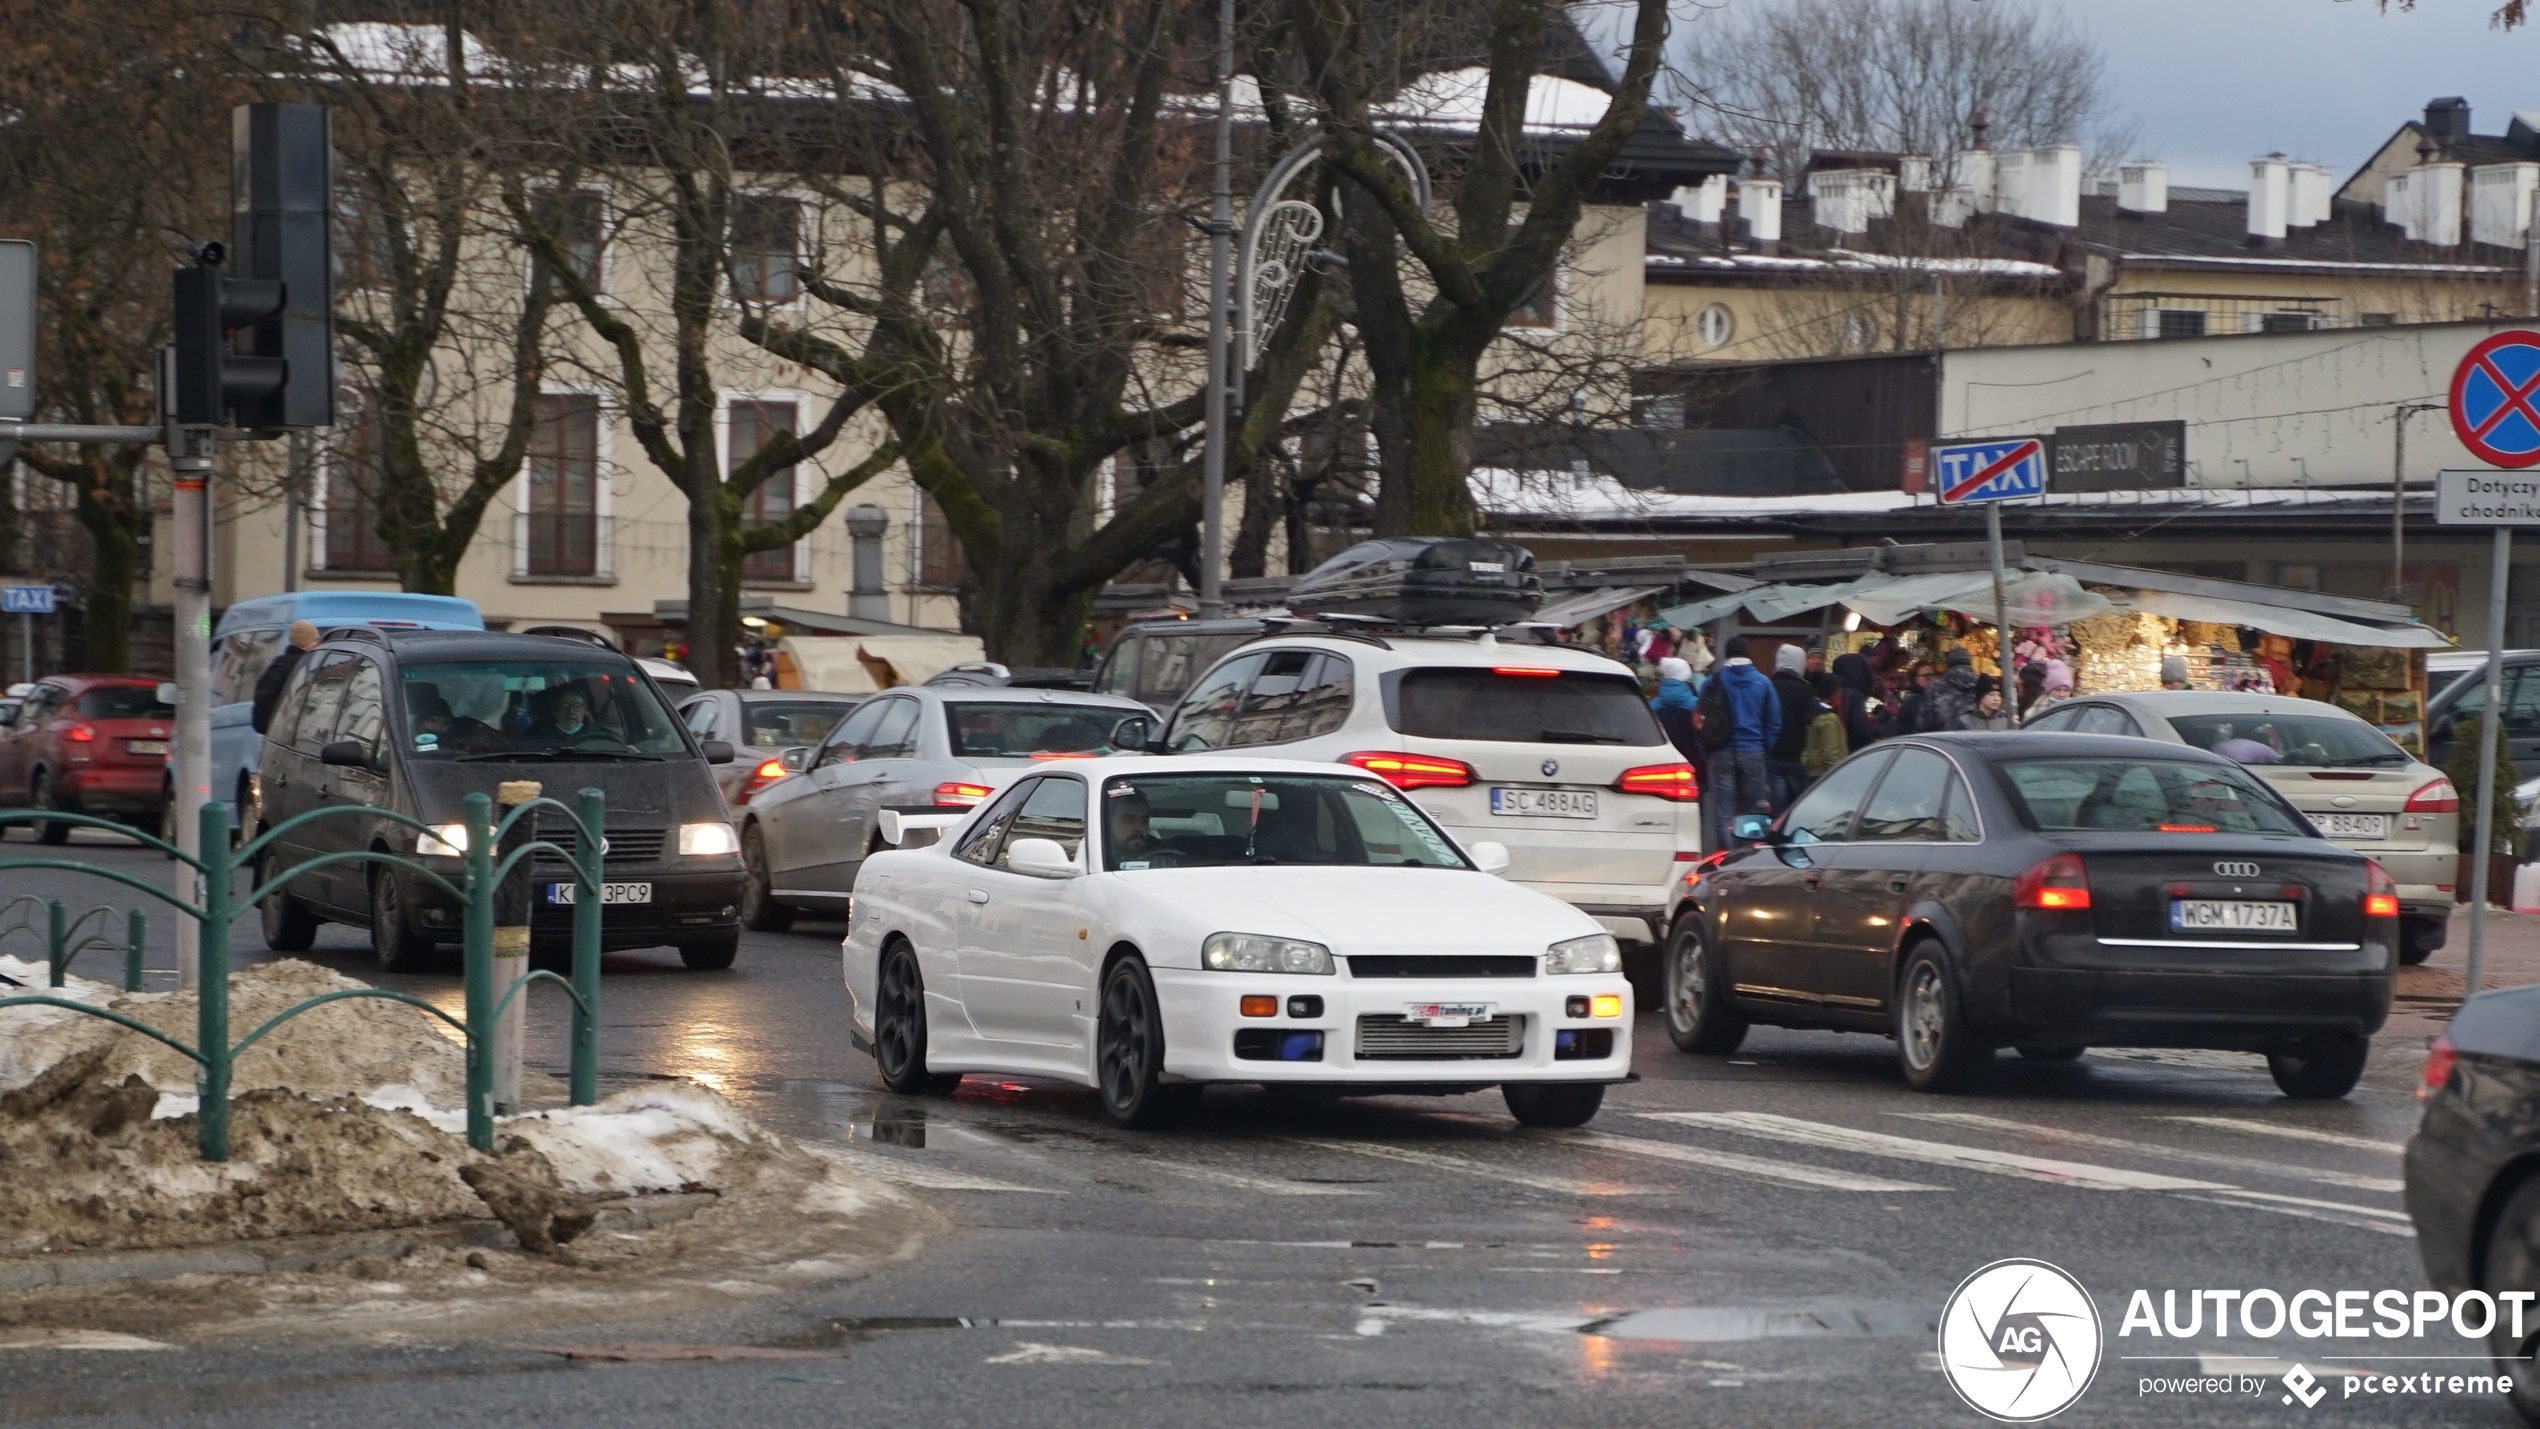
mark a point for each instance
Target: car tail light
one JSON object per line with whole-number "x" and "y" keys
{"x": 2381, "y": 895}
{"x": 2439, "y": 1061}
{"x": 1667, "y": 781}
{"x": 954, "y": 791}
{"x": 2058, "y": 885}
{"x": 1412, "y": 771}
{"x": 764, "y": 775}
{"x": 80, "y": 733}
{"x": 2438, "y": 797}
{"x": 1527, "y": 672}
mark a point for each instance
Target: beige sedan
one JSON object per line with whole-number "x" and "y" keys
{"x": 2360, "y": 789}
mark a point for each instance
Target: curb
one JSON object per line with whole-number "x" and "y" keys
{"x": 288, "y": 1254}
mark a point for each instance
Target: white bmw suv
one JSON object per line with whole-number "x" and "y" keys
{"x": 1549, "y": 750}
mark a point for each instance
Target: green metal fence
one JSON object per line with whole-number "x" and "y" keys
{"x": 214, "y": 908}
{"x": 65, "y": 937}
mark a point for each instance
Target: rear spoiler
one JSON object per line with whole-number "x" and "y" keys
{"x": 897, "y": 828}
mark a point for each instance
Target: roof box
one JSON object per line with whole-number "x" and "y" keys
{"x": 1424, "y": 580}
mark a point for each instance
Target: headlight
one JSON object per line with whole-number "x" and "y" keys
{"x": 703, "y": 839}
{"x": 1260, "y": 953}
{"x": 1595, "y": 953}
{"x": 442, "y": 841}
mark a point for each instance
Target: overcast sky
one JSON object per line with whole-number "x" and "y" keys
{"x": 2215, "y": 83}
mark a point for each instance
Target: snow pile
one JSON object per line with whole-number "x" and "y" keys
{"x": 672, "y": 1137}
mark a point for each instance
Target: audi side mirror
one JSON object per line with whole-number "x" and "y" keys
{"x": 1753, "y": 828}
{"x": 716, "y": 751}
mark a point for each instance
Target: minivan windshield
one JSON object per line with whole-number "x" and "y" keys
{"x": 542, "y": 708}
{"x": 2321, "y": 741}
{"x": 2169, "y": 796}
{"x": 1214, "y": 820}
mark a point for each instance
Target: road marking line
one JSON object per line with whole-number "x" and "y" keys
{"x": 1440, "y": 1161}
{"x": 2360, "y": 1218}
{"x": 1937, "y": 1153}
{"x": 923, "y": 1177}
{"x": 1815, "y": 1177}
{"x": 2294, "y": 1133}
{"x": 1266, "y": 1185}
{"x": 2057, "y": 1134}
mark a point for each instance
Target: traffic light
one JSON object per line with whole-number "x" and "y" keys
{"x": 259, "y": 349}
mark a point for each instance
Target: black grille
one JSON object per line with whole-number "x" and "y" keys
{"x": 624, "y": 845}
{"x": 1448, "y": 965}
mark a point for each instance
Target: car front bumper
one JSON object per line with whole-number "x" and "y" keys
{"x": 1633, "y": 912}
{"x": 1203, "y": 1019}
{"x": 686, "y": 906}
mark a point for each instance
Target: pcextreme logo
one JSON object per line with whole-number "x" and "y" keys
{"x": 2019, "y": 1341}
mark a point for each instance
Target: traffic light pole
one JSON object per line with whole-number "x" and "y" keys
{"x": 190, "y": 459}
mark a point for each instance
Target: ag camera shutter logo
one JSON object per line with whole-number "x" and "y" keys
{"x": 2019, "y": 1341}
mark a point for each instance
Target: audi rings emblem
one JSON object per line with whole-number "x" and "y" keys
{"x": 1551, "y": 767}
{"x": 2236, "y": 870}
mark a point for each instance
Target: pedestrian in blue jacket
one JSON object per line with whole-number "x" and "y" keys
{"x": 1740, "y": 717}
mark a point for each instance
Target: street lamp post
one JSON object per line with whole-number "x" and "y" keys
{"x": 2399, "y": 490}
{"x": 1221, "y": 227}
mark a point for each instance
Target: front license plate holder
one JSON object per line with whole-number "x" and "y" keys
{"x": 562, "y": 895}
{"x": 1449, "y": 1014}
{"x": 2233, "y": 915}
{"x": 1543, "y": 803}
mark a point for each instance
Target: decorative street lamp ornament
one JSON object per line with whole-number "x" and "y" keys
{"x": 1280, "y": 235}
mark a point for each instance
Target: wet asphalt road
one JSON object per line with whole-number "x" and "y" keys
{"x": 1763, "y": 1241}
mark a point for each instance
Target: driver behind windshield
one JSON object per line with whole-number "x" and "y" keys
{"x": 568, "y": 717}
{"x": 1124, "y": 823}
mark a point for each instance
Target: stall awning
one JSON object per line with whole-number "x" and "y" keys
{"x": 2281, "y": 620}
{"x": 1585, "y": 605}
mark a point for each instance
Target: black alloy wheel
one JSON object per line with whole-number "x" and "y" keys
{"x": 899, "y": 1028}
{"x": 2513, "y": 1263}
{"x": 713, "y": 954}
{"x": 1129, "y": 1052}
{"x": 393, "y": 939}
{"x": 2051, "y": 1054}
{"x": 289, "y": 925}
{"x": 2321, "y": 1068}
{"x": 1934, "y": 1045}
{"x": 1555, "y": 1104}
{"x": 1699, "y": 1016}
{"x": 49, "y": 799}
{"x": 760, "y": 912}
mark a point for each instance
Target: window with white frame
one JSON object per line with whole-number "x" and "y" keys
{"x": 767, "y": 232}
{"x": 754, "y": 424}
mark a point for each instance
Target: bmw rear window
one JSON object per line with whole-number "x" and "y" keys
{"x": 2151, "y": 796}
{"x": 1517, "y": 705}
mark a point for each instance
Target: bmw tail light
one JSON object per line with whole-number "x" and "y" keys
{"x": 2439, "y": 1061}
{"x": 2438, "y": 797}
{"x": 764, "y": 775}
{"x": 2381, "y": 895}
{"x": 2057, "y": 885}
{"x": 956, "y": 792}
{"x": 1412, "y": 771}
{"x": 1667, "y": 781}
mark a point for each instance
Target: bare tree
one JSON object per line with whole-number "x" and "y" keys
{"x": 1905, "y": 76}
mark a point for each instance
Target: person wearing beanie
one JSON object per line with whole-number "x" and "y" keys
{"x": 1782, "y": 767}
{"x": 1738, "y": 716}
{"x": 2032, "y": 685}
{"x": 1851, "y": 699}
{"x": 1673, "y": 704}
{"x": 1950, "y": 696}
{"x": 2059, "y": 684}
{"x": 2174, "y": 672}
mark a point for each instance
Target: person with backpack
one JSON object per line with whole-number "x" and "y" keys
{"x": 1673, "y": 705}
{"x": 1950, "y": 696}
{"x": 1739, "y": 717}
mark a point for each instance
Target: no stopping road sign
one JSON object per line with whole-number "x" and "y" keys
{"x": 2496, "y": 400}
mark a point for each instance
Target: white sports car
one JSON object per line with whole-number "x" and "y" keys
{"x": 1226, "y": 919}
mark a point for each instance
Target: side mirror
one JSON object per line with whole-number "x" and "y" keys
{"x": 1041, "y": 856}
{"x": 716, "y": 751}
{"x": 345, "y": 754}
{"x": 166, "y": 692}
{"x": 1490, "y": 858}
{"x": 1753, "y": 828}
{"x": 1135, "y": 732}
{"x": 795, "y": 758}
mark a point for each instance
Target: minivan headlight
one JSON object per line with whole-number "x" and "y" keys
{"x": 706, "y": 839}
{"x": 1260, "y": 953}
{"x": 1595, "y": 953}
{"x": 442, "y": 841}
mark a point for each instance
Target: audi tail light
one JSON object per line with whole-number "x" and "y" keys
{"x": 2438, "y": 797}
{"x": 2440, "y": 1059}
{"x": 1667, "y": 781}
{"x": 2381, "y": 895}
{"x": 954, "y": 791}
{"x": 1412, "y": 771}
{"x": 2057, "y": 885}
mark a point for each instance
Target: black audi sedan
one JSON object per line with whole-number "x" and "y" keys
{"x": 2050, "y": 892}
{"x": 2473, "y": 1171}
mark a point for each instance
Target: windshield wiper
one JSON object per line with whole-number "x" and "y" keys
{"x": 566, "y": 755}
{"x": 1577, "y": 736}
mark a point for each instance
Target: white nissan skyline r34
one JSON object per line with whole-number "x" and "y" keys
{"x": 1145, "y": 925}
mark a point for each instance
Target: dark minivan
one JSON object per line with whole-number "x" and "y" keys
{"x": 415, "y": 721}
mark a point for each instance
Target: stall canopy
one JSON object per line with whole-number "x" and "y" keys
{"x": 2283, "y": 620}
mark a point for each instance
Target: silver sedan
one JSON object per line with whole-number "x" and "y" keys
{"x": 926, "y": 749}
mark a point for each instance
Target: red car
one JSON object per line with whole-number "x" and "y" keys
{"x": 89, "y": 744}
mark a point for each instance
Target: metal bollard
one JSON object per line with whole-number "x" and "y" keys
{"x": 586, "y": 954}
{"x": 479, "y": 980}
{"x": 511, "y": 948}
{"x": 57, "y": 938}
{"x": 136, "y": 940}
{"x": 211, "y": 988}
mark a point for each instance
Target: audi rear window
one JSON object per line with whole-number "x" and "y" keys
{"x": 1511, "y": 706}
{"x": 2151, "y": 796}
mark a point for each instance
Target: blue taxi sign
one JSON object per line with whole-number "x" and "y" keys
{"x": 2003, "y": 469}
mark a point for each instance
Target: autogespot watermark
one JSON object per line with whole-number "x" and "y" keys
{"x": 2021, "y": 1341}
